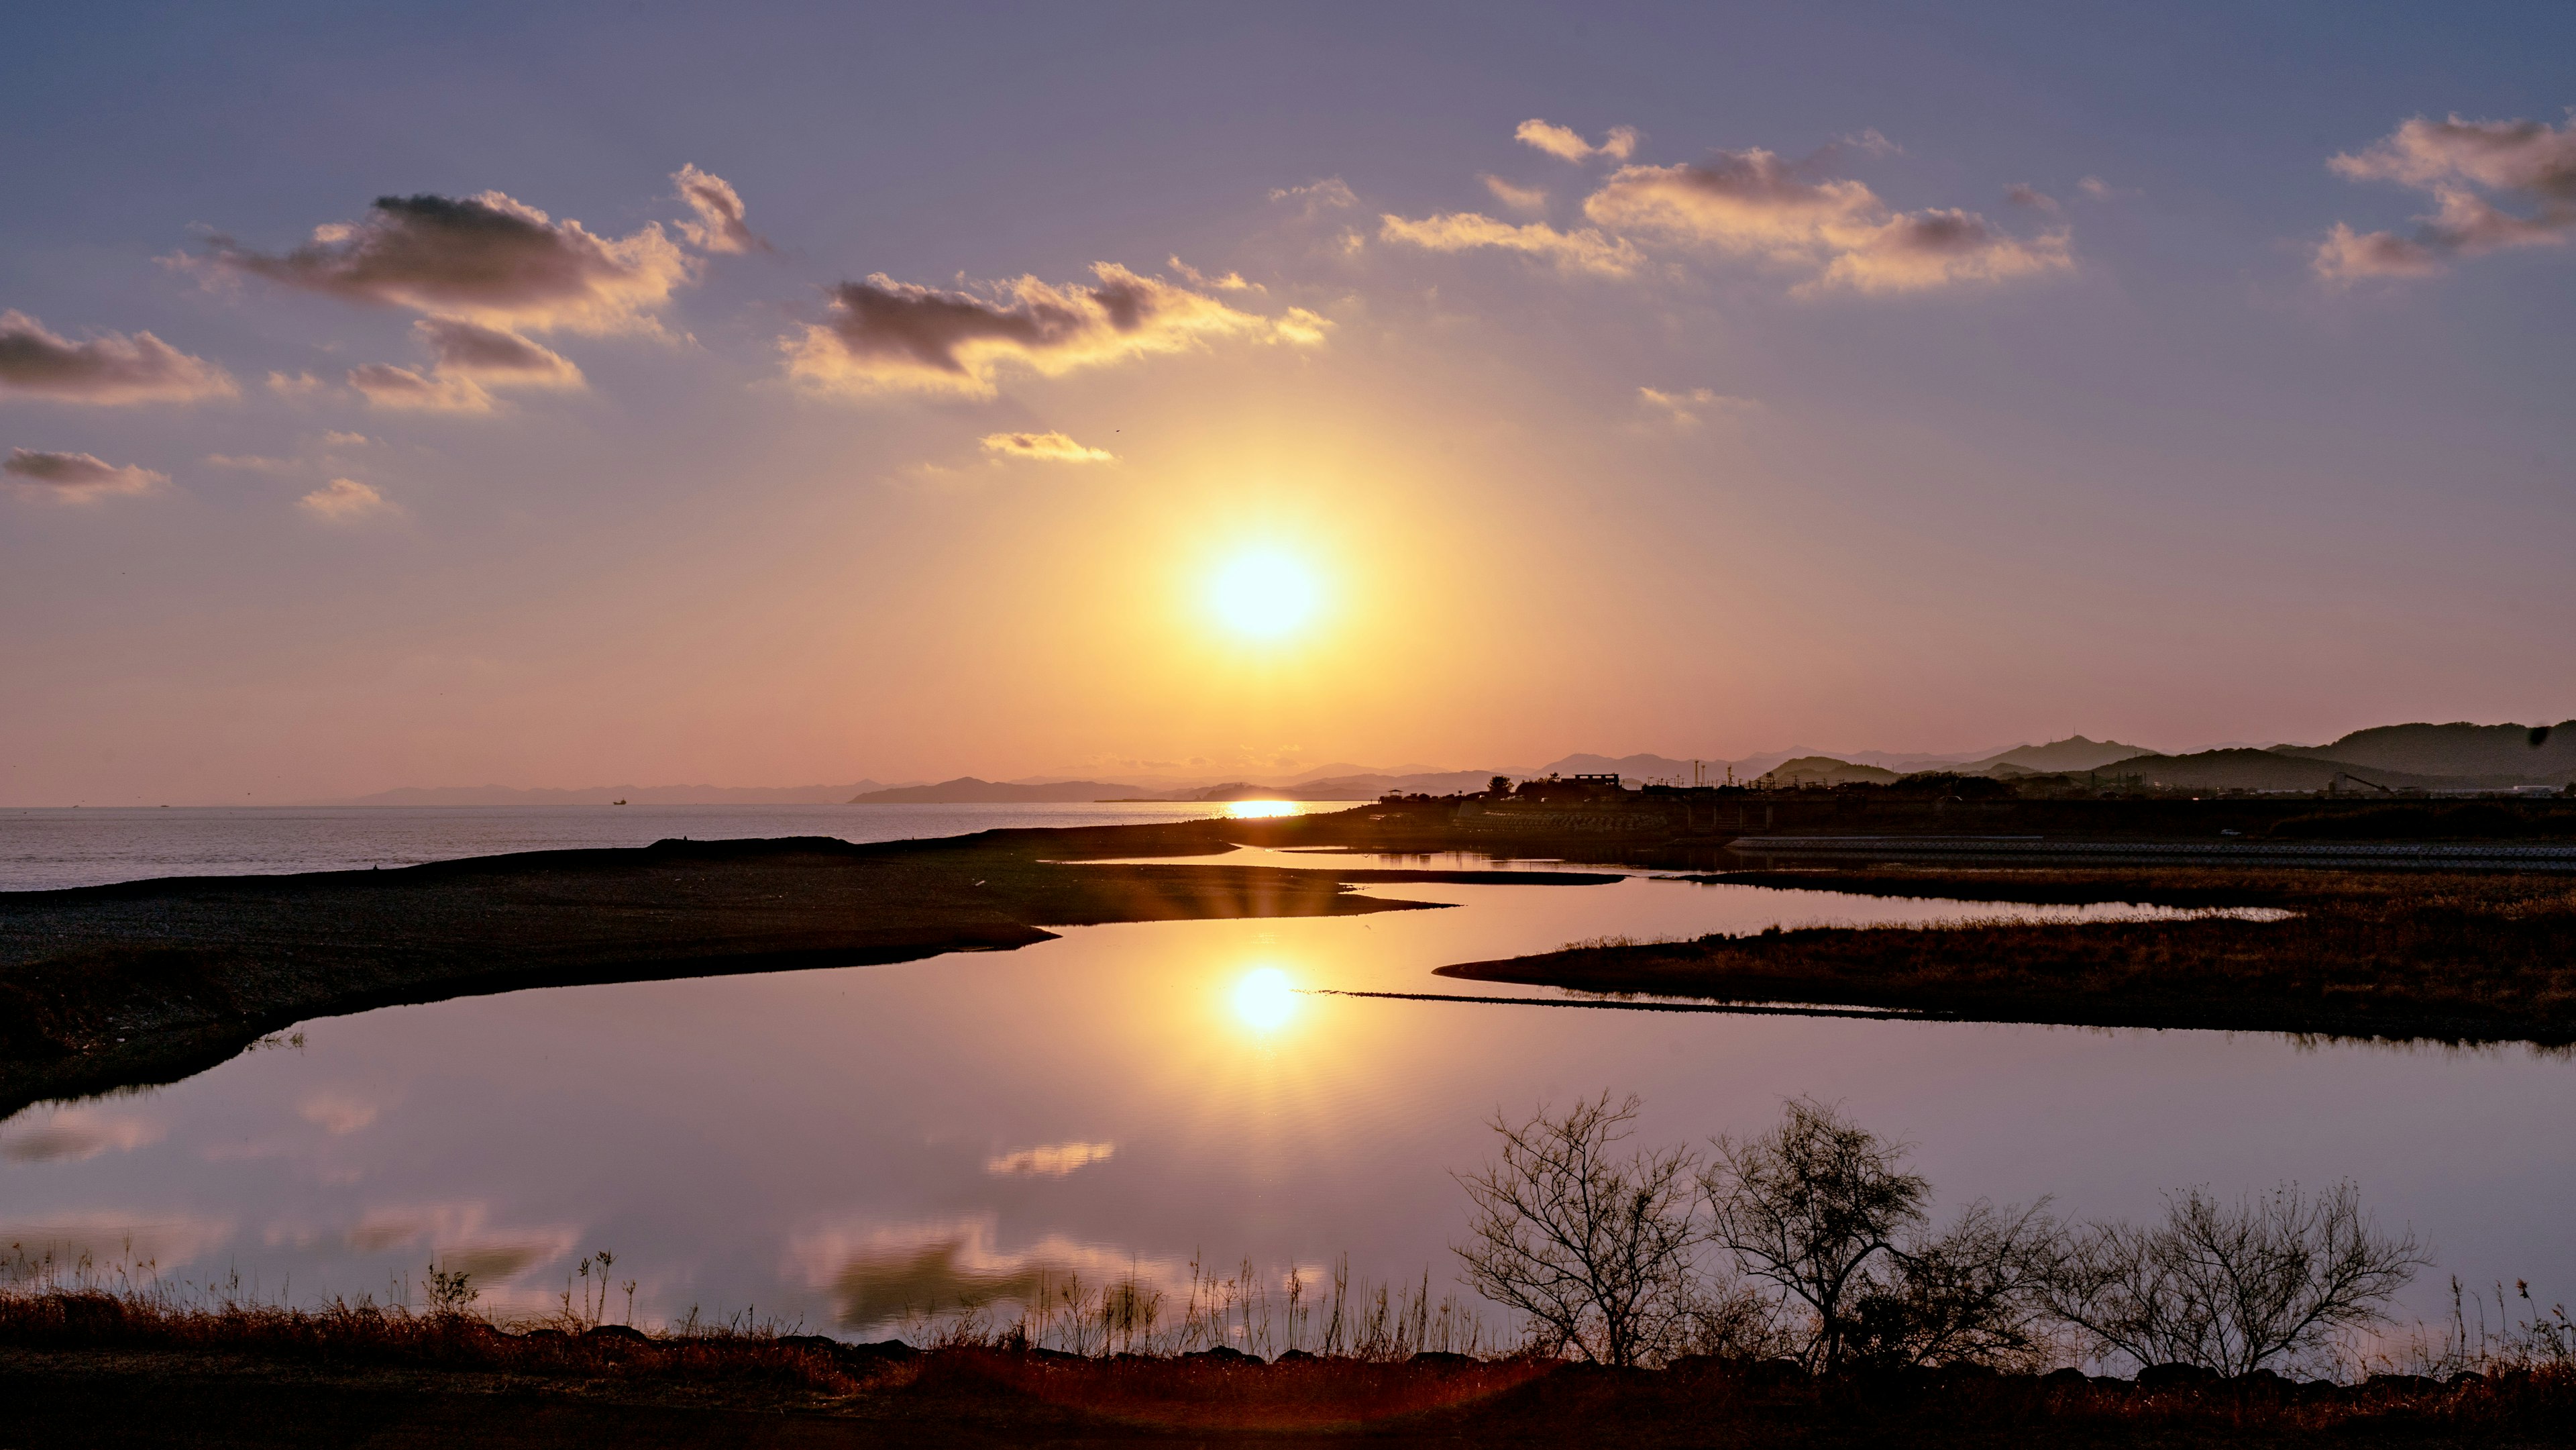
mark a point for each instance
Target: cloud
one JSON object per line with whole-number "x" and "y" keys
{"x": 2529, "y": 163}
{"x": 719, "y": 227}
{"x": 384, "y": 385}
{"x": 2100, "y": 190}
{"x": 1044, "y": 447}
{"x": 1230, "y": 282}
{"x": 883, "y": 335}
{"x": 1531, "y": 199}
{"x": 1753, "y": 203}
{"x": 1585, "y": 250}
{"x": 1568, "y": 144}
{"x": 336, "y": 439}
{"x": 74, "y": 477}
{"x": 487, "y": 259}
{"x": 297, "y": 385}
{"x": 345, "y": 500}
{"x": 2022, "y": 193}
{"x": 1685, "y": 410}
{"x": 468, "y": 361}
{"x": 110, "y": 368}
{"x": 1328, "y": 193}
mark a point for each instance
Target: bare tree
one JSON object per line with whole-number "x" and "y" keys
{"x": 1961, "y": 1295}
{"x": 1811, "y": 1207}
{"x": 1593, "y": 1246}
{"x": 2231, "y": 1288}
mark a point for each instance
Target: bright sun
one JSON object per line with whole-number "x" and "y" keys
{"x": 1263, "y": 593}
{"x": 1265, "y": 999}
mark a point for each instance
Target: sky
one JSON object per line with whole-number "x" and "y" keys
{"x": 570, "y": 395}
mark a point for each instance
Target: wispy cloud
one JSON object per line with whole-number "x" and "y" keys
{"x": 883, "y": 335}
{"x": 1686, "y": 409}
{"x": 74, "y": 477}
{"x": 2462, "y": 166}
{"x": 111, "y": 368}
{"x": 1328, "y": 193}
{"x": 1044, "y": 447}
{"x": 1568, "y": 144}
{"x": 1528, "y": 199}
{"x": 1583, "y": 250}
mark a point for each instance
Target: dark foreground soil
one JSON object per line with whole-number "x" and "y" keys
{"x": 978, "y": 1398}
{"x": 2453, "y": 957}
{"x": 153, "y": 980}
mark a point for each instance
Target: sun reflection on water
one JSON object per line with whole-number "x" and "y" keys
{"x": 1249, "y": 810}
{"x": 1264, "y": 999}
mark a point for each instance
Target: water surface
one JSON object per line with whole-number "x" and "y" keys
{"x": 817, "y": 1144}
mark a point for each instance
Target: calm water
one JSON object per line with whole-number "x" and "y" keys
{"x": 50, "y": 848}
{"x": 805, "y": 1143}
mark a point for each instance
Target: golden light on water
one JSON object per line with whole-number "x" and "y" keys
{"x": 1264, "y": 999}
{"x": 1254, "y": 810}
{"x": 1264, "y": 593}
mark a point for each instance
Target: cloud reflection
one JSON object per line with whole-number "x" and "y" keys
{"x": 77, "y": 1133}
{"x": 879, "y": 1276}
{"x": 1050, "y": 1160}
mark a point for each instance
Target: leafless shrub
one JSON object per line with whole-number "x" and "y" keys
{"x": 2231, "y": 1287}
{"x": 1814, "y": 1208}
{"x": 1961, "y": 1295}
{"x": 1593, "y": 1246}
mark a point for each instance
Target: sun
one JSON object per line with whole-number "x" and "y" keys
{"x": 1265, "y": 999}
{"x": 1264, "y": 593}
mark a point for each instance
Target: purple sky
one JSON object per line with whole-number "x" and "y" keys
{"x": 458, "y": 394}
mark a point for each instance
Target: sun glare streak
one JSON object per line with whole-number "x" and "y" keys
{"x": 1264, "y": 1000}
{"x": 1264, "y": 593}
{"x": 1254, "y": 810}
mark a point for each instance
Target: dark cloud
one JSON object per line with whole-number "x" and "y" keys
{"x": 2529, "y": 163}
{"x": 486, "y": 258}
{"x": 884, "y": 334}
{"x": 493, "y": 355}
{"x": 75, "y": 477}
{"x": 109, "y": 368}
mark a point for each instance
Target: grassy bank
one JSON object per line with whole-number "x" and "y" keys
{"x": 2443, "y": 956}
{"x": 91, "y": 1369}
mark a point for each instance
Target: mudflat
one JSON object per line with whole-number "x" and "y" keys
{"x": 147, "y": 981}
{"x": 2446, "y": 956}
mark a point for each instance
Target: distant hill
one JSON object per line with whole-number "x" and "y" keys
{"x": 2244, "y": 769}
{"x": 2537, "y": 752}
{"x": 1826, "y": 770}
{"x": 642, "y": 795}
{"x": 966, "y": 790}
{"x": 2072, "y": 753}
